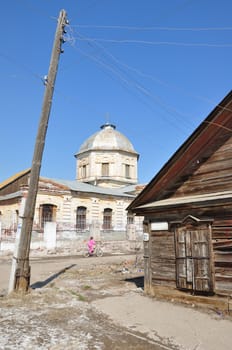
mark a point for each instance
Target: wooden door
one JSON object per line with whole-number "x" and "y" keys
{"x": 193, "y": 259}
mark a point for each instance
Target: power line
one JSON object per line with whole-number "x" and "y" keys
{"x": 137, "y": 28}
{"x": 21, "y": 65}
{"x": 131, "y": 83}
{"x": 138, "y": 86}
{"x": 128, "y": 83}
{"x": 145, "y": 75}
{"x": 148, "y": 76}
{"x": 148, "y": 42}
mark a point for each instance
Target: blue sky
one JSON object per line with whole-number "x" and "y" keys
{"x": 154, "y": 68}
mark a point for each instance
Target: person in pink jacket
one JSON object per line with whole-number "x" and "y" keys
{"x": 91, "y": 245}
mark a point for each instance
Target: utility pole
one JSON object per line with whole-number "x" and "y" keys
{"x": 20, "y": 274}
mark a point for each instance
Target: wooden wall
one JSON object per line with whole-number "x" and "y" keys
{"x": 15, "y": 185}
{"x": 214, "y": 175}
{"x": 163, "y": 263}
{"x": 163, "y": 258}
{"x": 222, "y": 248}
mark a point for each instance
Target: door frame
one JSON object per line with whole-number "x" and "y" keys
{"x": 191, "y": 261}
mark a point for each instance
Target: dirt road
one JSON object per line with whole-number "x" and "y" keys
{"x": 98, "y": 303}
{"x": 47, "y": 267}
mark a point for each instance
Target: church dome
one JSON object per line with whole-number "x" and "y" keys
{"x": 107, "y": 159}
{"x": 108, "y": 138}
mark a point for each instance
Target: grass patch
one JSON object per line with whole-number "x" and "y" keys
{"x": 78, "y": 295}
{"x": 81, "y": 297}
{"x": 86, "y": 287}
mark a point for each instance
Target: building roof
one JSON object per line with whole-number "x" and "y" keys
{"x": 213, "y": 132}
{"x": 107, "y": 139}
{"x": 197, "y": 199}
{"x": 74, "y": 185}
{"x": 11, "y": 195}
{"x": 14, "y": 177}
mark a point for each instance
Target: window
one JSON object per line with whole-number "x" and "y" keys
{"x": 127, "y": 171}
{"x": 81, "y": 218}
{"x": 107, "y": 219}
{"x": 130, "y": 219}
{"x": 16, "y": 220}
{"x": 105, "y": 169}
{"x": 47, "y": 213}
{"x": 83, "y": 171}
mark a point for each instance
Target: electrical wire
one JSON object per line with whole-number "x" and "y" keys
{"x": 128, "y": 82}
{"x": 139, "y": 87}
{"x": 147, "y": 42}
{"x": 21, "y": 65}
{"x": 149, "y": 76}
{"x": 137, "y": 28}
{"x": 131, "y": 83}
{"x": 133, "y": 28}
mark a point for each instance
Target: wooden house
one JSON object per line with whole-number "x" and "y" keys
{"x": 187, "y": 210}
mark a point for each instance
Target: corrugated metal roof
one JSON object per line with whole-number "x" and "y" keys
{"x": 78, "y": 186}
{"x": 74, "y": 185}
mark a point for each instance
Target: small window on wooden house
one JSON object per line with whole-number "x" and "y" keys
{"x": 105, "y": 169}
{"x": 107, "y": 219}
{"x": 81, "y": 218}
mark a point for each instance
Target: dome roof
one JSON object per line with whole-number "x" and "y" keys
{"x": 107, "y": 139}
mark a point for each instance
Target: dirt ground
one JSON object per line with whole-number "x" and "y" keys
{"x": 99, "y": 303}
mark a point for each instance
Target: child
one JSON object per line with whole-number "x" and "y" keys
{"x": 91, "y": 245}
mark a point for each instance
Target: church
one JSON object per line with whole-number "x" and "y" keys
{"x": 94, "y": 204}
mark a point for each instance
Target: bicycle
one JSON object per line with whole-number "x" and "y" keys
{"x": 97, "y": 252}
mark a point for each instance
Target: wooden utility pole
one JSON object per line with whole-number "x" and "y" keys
{"x": 20, "y": 274}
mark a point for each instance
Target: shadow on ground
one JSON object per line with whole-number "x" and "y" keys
{"x": 41, "y": 284}
{"x": 138, "y": 281}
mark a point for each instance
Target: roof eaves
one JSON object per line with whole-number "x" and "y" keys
{"x": 11, "y": 196}
{"x": 217, "y": 196}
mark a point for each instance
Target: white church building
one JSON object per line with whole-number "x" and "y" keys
{"x": 94, "y": 204}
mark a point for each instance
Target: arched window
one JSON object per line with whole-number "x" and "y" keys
{"x": 47, "y": 213}
{"x": 107, "y": 219}
{"x": 81, "y": 218}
